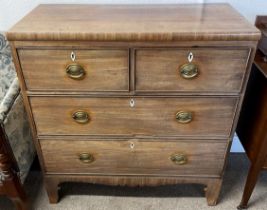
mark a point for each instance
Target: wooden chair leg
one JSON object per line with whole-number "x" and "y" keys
{"x": 213, "y": 191}
{"x": 10, "y": 184}
{"x": 253, "y": 175}
{"x": 51, "y": 185}
{"x": 16, "y": 193}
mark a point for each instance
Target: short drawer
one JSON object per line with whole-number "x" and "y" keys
{"x": 134, "y": 157}
{"x": 210, "y": 70}
{"x": 75, "y": 70}
{"x": 134, "y": 116}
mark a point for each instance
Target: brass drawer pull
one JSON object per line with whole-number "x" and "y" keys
{"x": 179, "y": 159}
{"x": 81, "y": 117}
{"x": 86, "y": 158}
{"x": 189, "y": 71}
{"x": 184, "y": 117}
{"x": 75, "y": 71}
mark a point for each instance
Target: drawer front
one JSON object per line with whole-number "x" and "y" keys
{"x": 211, "y": 70}
{"x": 134, "y": 157}
{"x": 136, "y": 116}
{"x": 92, "y": 70}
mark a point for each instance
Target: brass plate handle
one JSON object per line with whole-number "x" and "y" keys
{"x": 179, "y": 159}
{"x": 189, "y": 71}
{"x": 81, "y": 117}
{"x": 86, "y": 157}
{"x": 184, "y": 117}
{"x": 75, "y": 71}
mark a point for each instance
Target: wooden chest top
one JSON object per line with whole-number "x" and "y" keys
{"x": 217, "y": 22}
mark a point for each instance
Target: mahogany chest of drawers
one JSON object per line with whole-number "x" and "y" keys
{"x": 133, "y": 95}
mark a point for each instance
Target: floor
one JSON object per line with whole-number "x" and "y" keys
{"x": 178, "y": 197}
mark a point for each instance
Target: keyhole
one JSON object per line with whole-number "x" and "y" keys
{"x": 132, "y": 103}
{"x": 72, "y": 56}
{"x": 190, "y": 57}
{"x": 131, "y": 145}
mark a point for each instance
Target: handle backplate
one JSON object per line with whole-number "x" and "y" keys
{"x": 86, "y": 158}
{"x": 189, "y": 71}
{"x": 179, "y": 159}
{"x": 75, "y": 71}
{"x": 81, "y": 117}
{"x": 184, "y": 117}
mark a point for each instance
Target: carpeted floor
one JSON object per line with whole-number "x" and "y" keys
{"x": 179, "y": 197}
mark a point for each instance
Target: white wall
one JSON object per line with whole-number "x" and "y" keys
{"x": 12, "y": 10}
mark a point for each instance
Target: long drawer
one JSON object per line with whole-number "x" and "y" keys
{"x": 187, "y": 116}
{"x": 75, "y": 70}
{"x": 134, "y": 157}
{"x": 212, "y": 70}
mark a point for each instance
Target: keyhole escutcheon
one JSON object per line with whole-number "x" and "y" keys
{"x": 132, "y": 103}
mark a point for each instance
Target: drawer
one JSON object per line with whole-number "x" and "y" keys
{"x": 211, "y": 70}
{"x": 134, "y": 116}
{"x": 132, "y": 157}
{"x": 92, "y": 70}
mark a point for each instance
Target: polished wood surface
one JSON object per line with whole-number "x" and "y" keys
{"x": 105, "y": 70}
{"x": 134, "y": 22}
{"x": 148, "y": 117}
{"x": 261, "y": 23}
{"x": 212, "y": 190}
{"x": 159, "y": 69}
{"x": 150, "y": 121}
{"x": 252, "y": 126}
{"x": 261, "y": 63}
{"x": 11, "y": 185}
{"x": 134, "y": 157}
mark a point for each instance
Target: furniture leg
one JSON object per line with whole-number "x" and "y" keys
{"x": 11, "y": 184}
{"x": 51, "y": 185}
{"x": 213, "y": 191}
{"x": 16, "y": 193}
{"x": 253, "y": 174}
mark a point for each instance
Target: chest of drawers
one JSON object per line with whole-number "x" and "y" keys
{"x": 133, "y": 95}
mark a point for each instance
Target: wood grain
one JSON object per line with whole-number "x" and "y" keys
{"x": 159, "y": 70}
{"x": 53, "y": 182}
{"x": 149, "y": 116}
{"x": 254, "y": 110}
{"x": 213, "y": 191}
{"x": 224, "y": 46}
{"x": 145, "y": 158}
{"x": 252, "y": 126}
{"x": 106, "y": 70}
{"x": 10, "y": 183}
{"x": 260, "y": 63}
{"x": 134, "y": 23}
{"x": 61, "y": 44}
{"x": 261, "y": 24}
